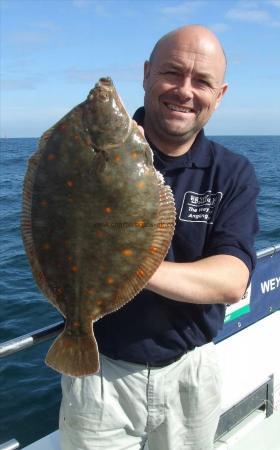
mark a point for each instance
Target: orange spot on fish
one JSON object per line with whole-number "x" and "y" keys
{"x": 41, "y": 276}
{"x": 74, "y": 269}
{"x": 58, "y": 290}
{"x": 26, "y": 223}
{"x": 76, "y": 324}
{"x": 134, "y": 155}
{"x": 140, "y": 185}
{"x": 108, "y": 210}
{"x": 127, "y": 252}
{"x": 140, "y": 273}
{"x": 51, "y": 157}
{"x": 110, "y": 280}
{"x": 68, "y": 343}
{"x": 99, "y": 234}
{"x": 70, "y": 183}
{"x": 46, "y": 246}
{"x": 117, "y": 158}
{"x": 99, "y": 302}
{"x": 140, "y": 223}
{"x": 153, "y": 250}
{"x": 90, "y": 291}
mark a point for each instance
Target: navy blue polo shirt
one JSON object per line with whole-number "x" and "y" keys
{"x": 215, "y": 195}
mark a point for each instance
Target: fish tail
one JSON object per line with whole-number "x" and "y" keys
{"x": 74, "y": 355}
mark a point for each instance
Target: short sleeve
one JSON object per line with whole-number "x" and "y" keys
{"x": 236, "y": 223}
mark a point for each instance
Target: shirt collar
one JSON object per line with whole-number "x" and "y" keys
{"x": 199, "y": 155}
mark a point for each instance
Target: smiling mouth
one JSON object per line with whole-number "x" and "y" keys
{"x": 178, "y": 108}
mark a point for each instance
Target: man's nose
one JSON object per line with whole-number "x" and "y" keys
{"x": 185, "y": 88}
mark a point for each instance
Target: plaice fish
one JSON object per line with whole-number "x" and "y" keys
{"x": 97, "y": 220}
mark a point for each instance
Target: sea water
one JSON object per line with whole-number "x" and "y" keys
{"x": 29, "y": 390}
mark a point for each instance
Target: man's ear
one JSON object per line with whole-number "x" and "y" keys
{"x": 221, "y": 94}
{"x": 146, "y": 73}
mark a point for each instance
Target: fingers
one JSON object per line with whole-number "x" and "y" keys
{"x": 141, "y": 129}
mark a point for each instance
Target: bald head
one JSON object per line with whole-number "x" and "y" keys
{"x": 192, "y": 37}
{"x": 184, "y": 84}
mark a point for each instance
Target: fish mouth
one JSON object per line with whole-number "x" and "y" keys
{"x": 105, "y": 83}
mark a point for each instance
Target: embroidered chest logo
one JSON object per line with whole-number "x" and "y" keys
{"x": 199, "y": 207}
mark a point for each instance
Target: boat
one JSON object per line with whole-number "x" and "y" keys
{"x": 249, "y": 356}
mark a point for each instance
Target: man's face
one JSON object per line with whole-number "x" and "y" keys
{"x": 183, "y": 86}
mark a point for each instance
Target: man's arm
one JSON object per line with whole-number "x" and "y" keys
{"x": 215, "y": 279}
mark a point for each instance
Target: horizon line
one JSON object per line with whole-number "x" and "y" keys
{"x": 208, "y": 135}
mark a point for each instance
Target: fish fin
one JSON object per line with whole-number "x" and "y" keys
{"x": 164, "y": 230}
{"x": 26, "y": 226}
{"x": 74, "y": 355}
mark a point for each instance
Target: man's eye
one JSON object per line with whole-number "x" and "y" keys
{"x": 204, "y": 82}
{"x": 170, "y": 72}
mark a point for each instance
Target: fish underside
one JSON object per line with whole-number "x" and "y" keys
{"x": 97, "y": 220}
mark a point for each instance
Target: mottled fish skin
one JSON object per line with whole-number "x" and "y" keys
{"x": 97, "y": 220}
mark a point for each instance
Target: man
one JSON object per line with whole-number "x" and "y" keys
{"x": 159, "y": 380}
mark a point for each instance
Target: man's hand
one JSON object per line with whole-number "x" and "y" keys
{"x": 141, "y": 129}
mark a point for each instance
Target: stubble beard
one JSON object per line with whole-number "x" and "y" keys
{"x": 160, "y": 130}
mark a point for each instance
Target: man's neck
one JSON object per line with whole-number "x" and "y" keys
{"x": 170, "y": 148}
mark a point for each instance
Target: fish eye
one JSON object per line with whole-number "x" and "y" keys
{"x": 104, "y": 96}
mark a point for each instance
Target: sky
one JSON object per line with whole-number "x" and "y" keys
{"x": 54, "y": 51}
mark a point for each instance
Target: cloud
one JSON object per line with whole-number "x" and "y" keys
{"x": 252, "y": 13}
{"x": 42, "y": 33}
{"x": 275, "y": 23}
{"x": 49, "y": 26}
{"x": 219, "y": 27}
{"x": 100, "y": 9}
{"x": 81, "y": 3}
{"x": 83, "y": 76}
{"x": 24, "y": 84}
{"x": 248, "y": 4}
{"x": 29, "y": 37}
{"x": 248, "y": 15}
{"x": 130, "y": 73}
{"x": 5, "y": 4}
{"x": 98, "y": 6}
{"x": 182, "y": 8}
{"x": 275, "y": 3}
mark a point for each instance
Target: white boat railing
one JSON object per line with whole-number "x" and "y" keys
{"x": 268, "y": 251}
{"x": 44, "y": 334}
{"x": 51, "y": 331}
{"x": 30, "y": 339}
{"x": 10, "y": 445}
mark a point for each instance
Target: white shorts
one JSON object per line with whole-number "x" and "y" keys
{"x": 127, "y": 405}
